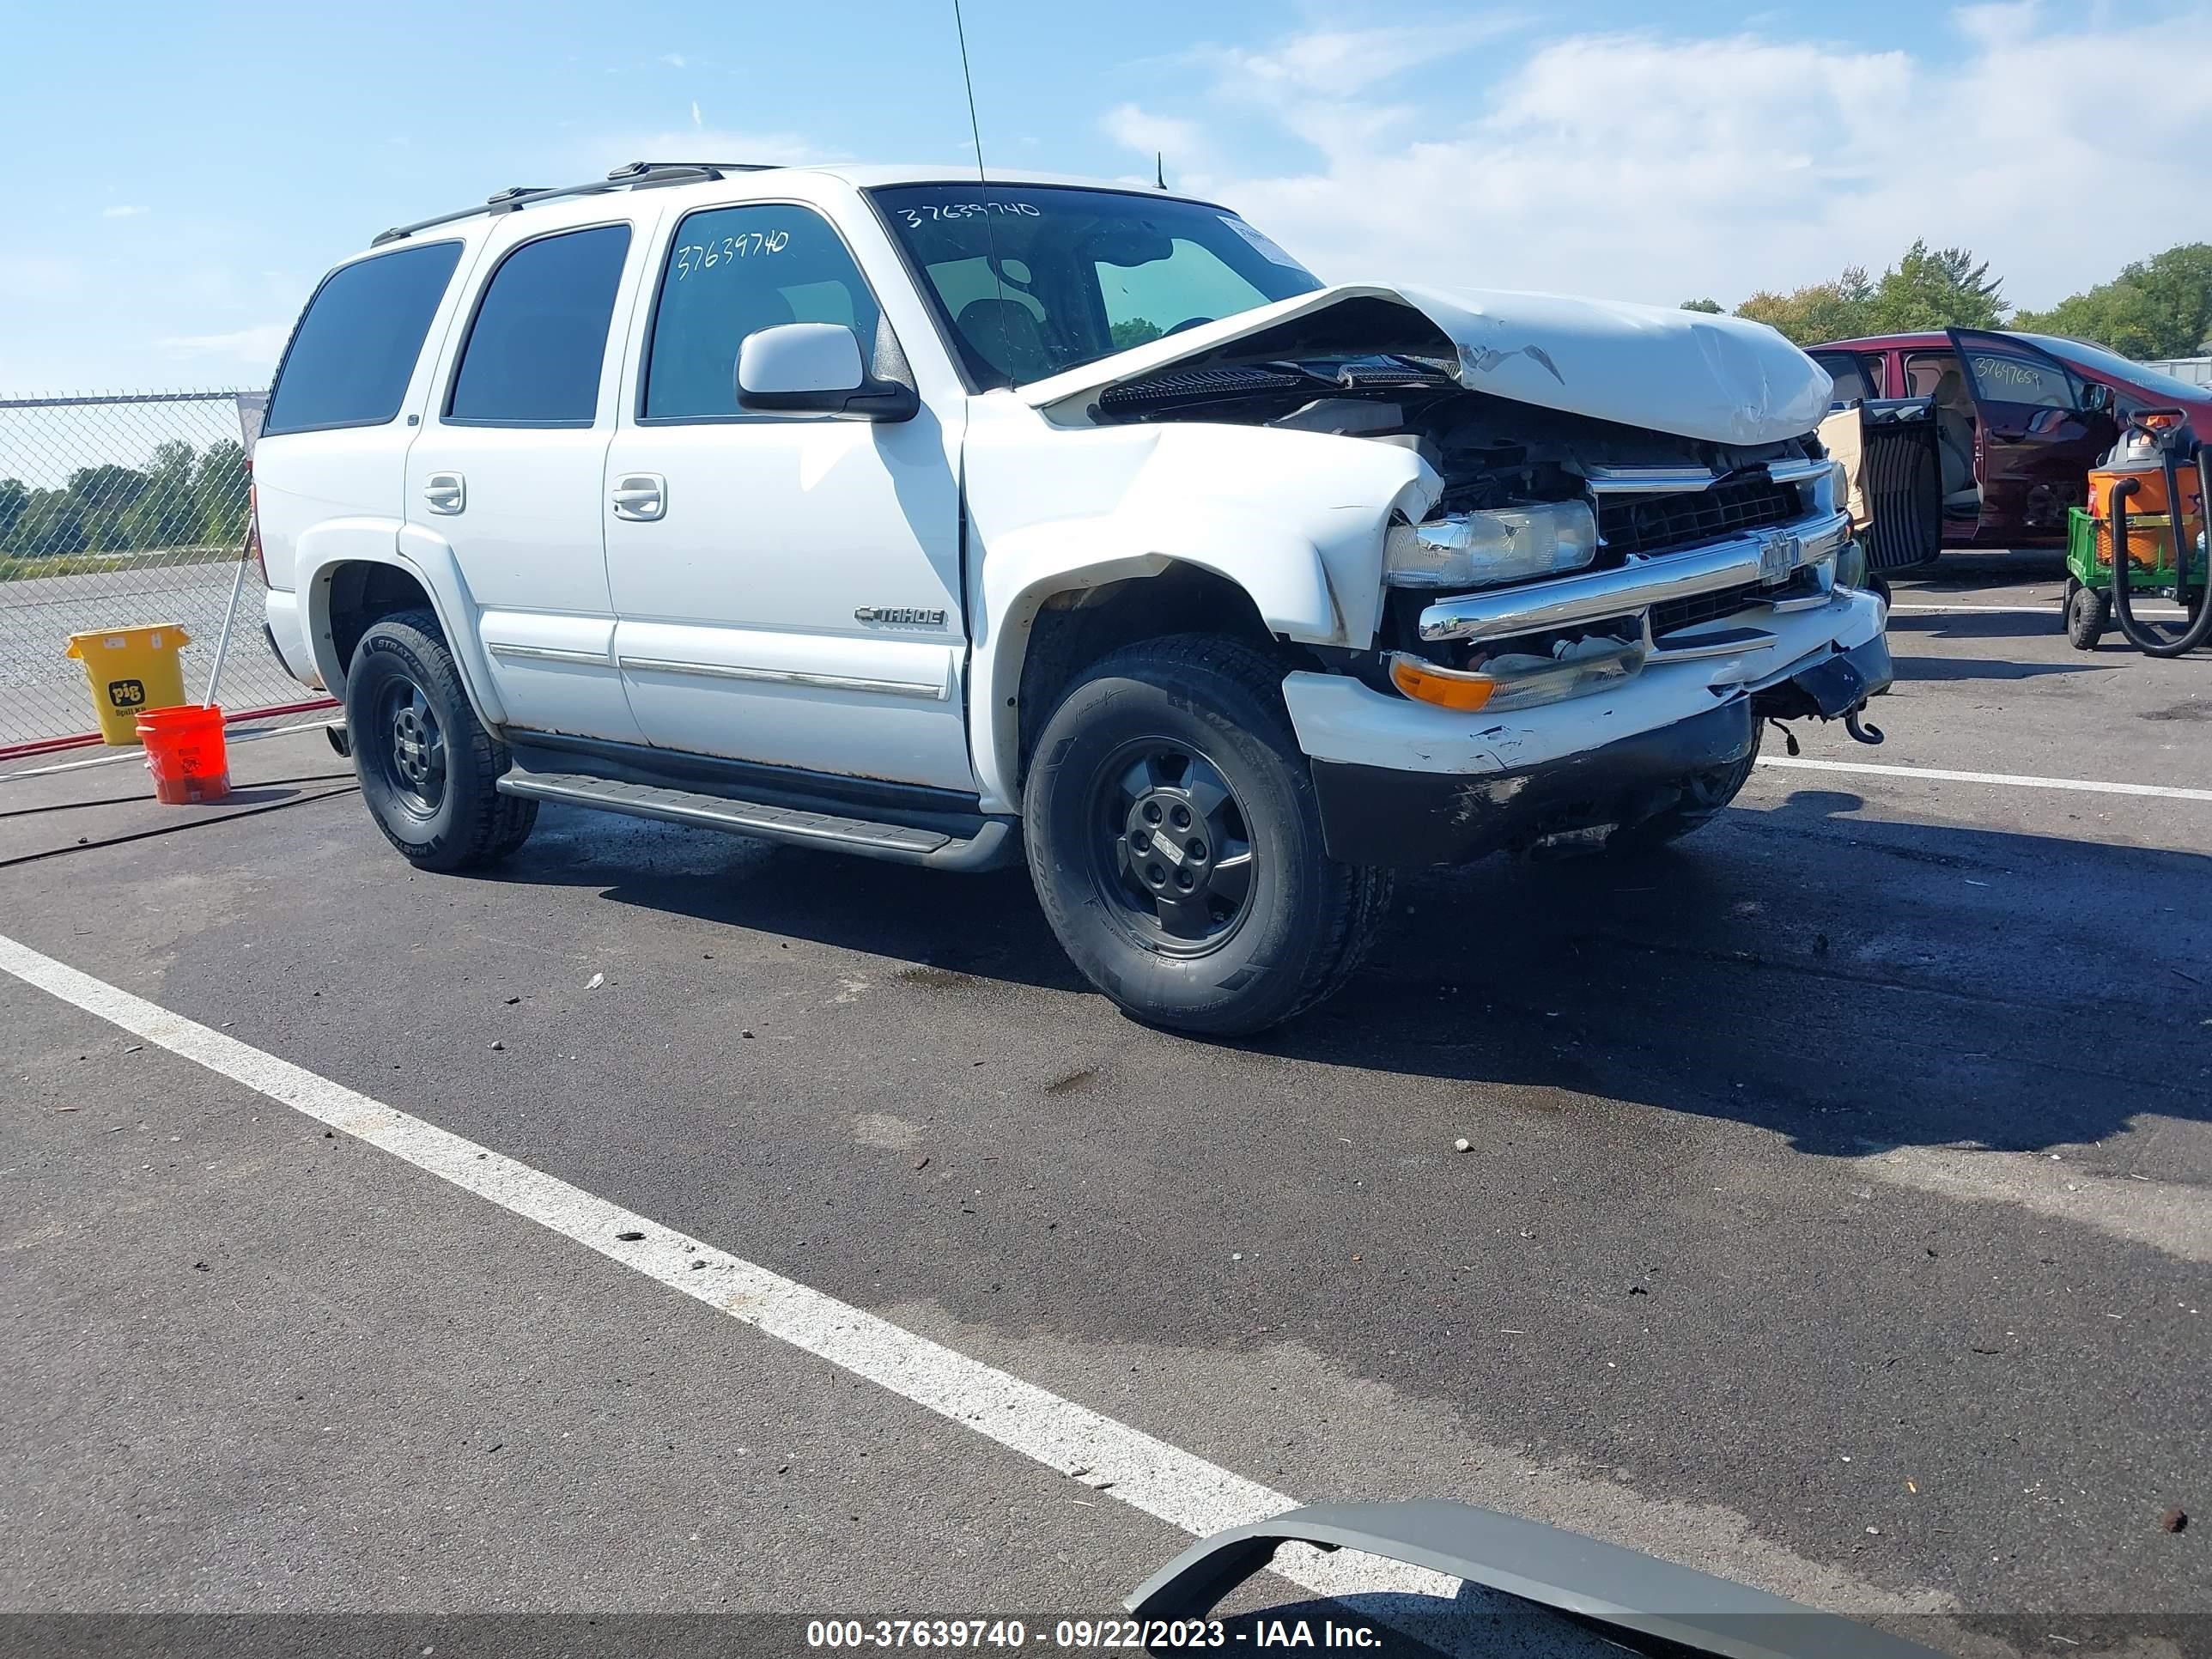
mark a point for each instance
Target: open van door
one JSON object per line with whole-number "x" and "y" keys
{"x": 2039, "y": 428}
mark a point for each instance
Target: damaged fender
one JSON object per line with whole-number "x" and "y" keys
{"x": 1295, "y": 519}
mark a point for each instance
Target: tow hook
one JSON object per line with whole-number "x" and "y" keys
{"x": 1865, "y": 734}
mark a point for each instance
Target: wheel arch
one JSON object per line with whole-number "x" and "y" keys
{"x": 348, "y": 583}
{"x": 1061, "y": 624}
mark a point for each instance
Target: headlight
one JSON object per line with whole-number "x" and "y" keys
{"x": 1480, "y": 549}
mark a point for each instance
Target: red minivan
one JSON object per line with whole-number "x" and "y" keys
{"x": 2020, "y": 419}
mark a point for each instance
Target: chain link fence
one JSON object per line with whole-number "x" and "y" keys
{"x": 128, "y": 511}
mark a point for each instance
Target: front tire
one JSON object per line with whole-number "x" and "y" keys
{"x": 428, "y": 770}
{"x": 1175, "y": 839}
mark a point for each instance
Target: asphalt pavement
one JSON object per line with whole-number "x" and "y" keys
{"x": 1835, "y": 1214}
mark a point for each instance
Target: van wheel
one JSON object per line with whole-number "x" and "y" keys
{"x": 1175, "y": 842}
{"x": 427, "y": 766}
{"x": 1705, "y": 796}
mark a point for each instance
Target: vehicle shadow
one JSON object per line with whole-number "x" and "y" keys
{"x": 1987, "y": 668}
{"x": 1850, "y": 984}
{"x": 1989, "y": 625}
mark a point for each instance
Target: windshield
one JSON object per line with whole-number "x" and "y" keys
{"x": 2140, "y": 376}
{"x": 1032, "y": 279}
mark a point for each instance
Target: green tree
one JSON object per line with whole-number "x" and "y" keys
{"x": 1937, "y": 287}
{"x": 1135, "y": 332}
{"x": 1835, "y": 310}
{"x": 53, "y": 523}
{"x": 220, "y": 487}
{"x": 14, "y": 498}
{"x": 1710, "y": 307}
{"x": 105, "y": 494}
{"x": 2155, "y": 308}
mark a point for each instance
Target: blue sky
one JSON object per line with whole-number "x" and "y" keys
{"x": 180, "y": 176}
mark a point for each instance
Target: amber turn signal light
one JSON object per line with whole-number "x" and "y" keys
{"x": 1464, "y": 692}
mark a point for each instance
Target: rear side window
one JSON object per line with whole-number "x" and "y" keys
{"x": 732, "y": 271}
{"x": 533, "y": 354}
{"x": 1850, "y": 371}
{"x": 355, "y": 349}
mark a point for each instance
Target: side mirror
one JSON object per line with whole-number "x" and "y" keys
{"x": 2096, "y": 397}
{"x": 815, "y": 368}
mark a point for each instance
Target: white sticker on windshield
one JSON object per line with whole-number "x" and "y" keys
{"x": 1267, "y": 250}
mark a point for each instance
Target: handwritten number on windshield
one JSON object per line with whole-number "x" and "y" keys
{"x": 968, "y": 210}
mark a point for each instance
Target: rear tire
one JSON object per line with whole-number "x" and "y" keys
{"x": 1705, "y": 796}
{"x": 427, "y": 767}
{"x": 1175, "y": 839}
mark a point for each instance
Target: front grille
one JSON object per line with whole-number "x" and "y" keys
{"x": 1652, "y": 524}
{"x": 1704, "y": 607}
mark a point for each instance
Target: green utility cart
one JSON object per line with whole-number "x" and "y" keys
{"x": 2089, "y": 580}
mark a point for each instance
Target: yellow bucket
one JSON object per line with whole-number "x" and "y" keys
{"x": 131, "y": 670}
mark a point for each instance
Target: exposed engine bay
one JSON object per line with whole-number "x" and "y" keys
{"x": 1376, "y": 369}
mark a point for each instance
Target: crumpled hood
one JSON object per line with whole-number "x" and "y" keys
{"x": 1720, "y": 379}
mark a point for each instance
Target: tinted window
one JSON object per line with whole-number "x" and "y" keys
{"x": 540, "y": 335}
{"x": 733, "y": 271}
{"x": 355, "y": 349}
{"x": 1038, "y": 279}
{"x": 1849, "y": 371}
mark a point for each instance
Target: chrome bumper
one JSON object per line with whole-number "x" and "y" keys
{"x": 1770, "y": 554}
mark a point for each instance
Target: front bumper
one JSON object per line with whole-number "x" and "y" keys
{"x": 1404, "y": 784}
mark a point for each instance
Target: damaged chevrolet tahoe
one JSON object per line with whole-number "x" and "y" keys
{"x": 951, "y": 522}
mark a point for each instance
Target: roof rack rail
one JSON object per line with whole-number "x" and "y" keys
{"x": 633, "y": 175}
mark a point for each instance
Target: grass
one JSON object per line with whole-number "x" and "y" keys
{"x": 14, "y": 568}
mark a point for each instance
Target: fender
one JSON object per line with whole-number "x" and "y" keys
{"x": 1295, "y": 519}
{"x": 423, "y": 556}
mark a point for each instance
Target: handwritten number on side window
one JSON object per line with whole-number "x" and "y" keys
{"x": 752, "y": 243}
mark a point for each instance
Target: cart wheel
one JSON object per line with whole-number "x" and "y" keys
{"x": 2066, "y": 602}
{"x": 2089, "y": 614}
{"x": 1878, "y": 584}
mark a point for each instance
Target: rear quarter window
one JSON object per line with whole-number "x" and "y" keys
{"x": 355, "y": 349}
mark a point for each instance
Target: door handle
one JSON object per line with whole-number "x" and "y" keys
{"x": 641, "y": 495}
{"x": 446, "y": 492}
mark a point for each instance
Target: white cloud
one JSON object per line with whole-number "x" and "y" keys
{"x": 123, "y": 212}
{"x": 256, "y": 349}
{"x": 673, "y": 59}
{"x": 1659, "y": 167}
{"x": 1151, "y": 134}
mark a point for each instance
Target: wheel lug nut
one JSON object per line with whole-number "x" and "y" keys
{"x": 1140, "y": 839}
{"x": 1152, "y": 812}
{"x": 1196, "y": 849}
{"x": 1182, "y": 817}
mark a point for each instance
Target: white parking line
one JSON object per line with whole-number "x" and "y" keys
{"x": 1936, "y": 775}
{"x": 2049, "y": 609}
{"x": 1123, "y": 1463}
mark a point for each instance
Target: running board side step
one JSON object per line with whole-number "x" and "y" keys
{"x": 994, "y": 844}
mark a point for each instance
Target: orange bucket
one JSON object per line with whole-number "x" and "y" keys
{"x": 186, "y": 754}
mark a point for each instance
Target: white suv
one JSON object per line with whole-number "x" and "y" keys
{"x": 897, "y": 514}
